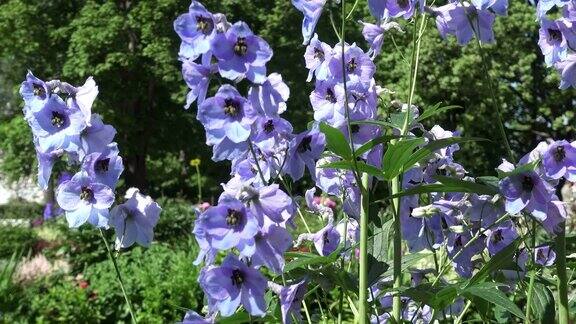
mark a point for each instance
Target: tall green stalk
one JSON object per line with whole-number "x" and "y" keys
{"x": 363, "y": 290}
{"x": 396, "y": 182}
{"x": 563, "y": 312}
{"x": 119, "y": 277}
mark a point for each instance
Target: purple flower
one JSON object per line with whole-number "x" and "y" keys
{"x": 106, "y": 166}
{"x": 234, "y": 283}
{"x": 227, "y": 118}
{"x": 45, "y": 164}
{"x": 327, "y": 100}
{"x": 400, "y": 8}
{"x": 270, "y": 244}
{"x": 464, "y": 21}
{"x": 228, "y": 225}
{"x": 97, "y": 137}
{"x": 552, "y": 43}
{"x": 484, "y": 211}
{"x": 196, "y": 29}
{"x": 326, "y": 240}
{"x": 304, "y": 150}
{"x": 544, "y": 6}
{"x": 290, "y": 300}
{"x": 455, "y": 244}
{"x": 359, "y": 67}
{"x": 35, "y": 93}
{"x": 544, "y": 256}
{"x": 272, "y": 135}
{"x": 567, "y": 69}
{"x": 241, "y": 54}
{"x": 555, "y": 217}
{"x": 270, "y": 97}
{"x": 134, "y": 220}
{"x": 499, "y": 7}
{"x": 81, "y": 97}
{"x": 500, "y": 237}
{"x": 421, "y": 226}
{"x": 332, "y": 181}
{"x": 317, "y": 56}
{"x": 191, "y": 317}
{"x": 197, "y": 77}
{"x": 559, "y": 161}
{"x": 56, "y": 126}
{"x": 312, "y": 9}
{"x": 525, "y": 191}
{"x": 85, "y": 200}
{"x": 377, "y": 8}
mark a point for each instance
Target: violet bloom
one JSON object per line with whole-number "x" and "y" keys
{"x": 271, "y": 135}
{"x": 304, "y": 150}
{"x": 568, "y": 29}
{"x": 326, "y": 240}
{"x": 421, "y": 226}
{"x": 544, "y": 6}
{"x": 228, "y": 225}
{"x": 525, "y": 191}
{"x": 359, "y": 67}
{"x": 291, "y": 298}
{"x": 463, "y": 262}
{"x": 85, "y": 200}
{"x": 270, "y": 97}
{"x": 191, "y": 317}
{"x": 81, "y": 97}
{"x": 327, "y": 100}
{"x": 555, "y": 217}
{"x": 241, "y": 54}
{"x": 559, "y": 161}
{"x": 567, "y": 69}
{"x": 56, "y": 126}
{"x": 377, "y": 8}
{"x": 484, "y": 211}
{"x": 544, "y": 256}
{"x": 197, "y": 77}
{"x": 332, "y": 181}
{"x": 552, "y": 43}
{"x": 234, "y": 283}
{"x": 270, "y": 244}
{"x": 499, "y": 7}
{"x": 97, "y": 137}
{"x": 400, "y": 8}
{"x": 106, "y": 166}
{"x": 45, "y": 164}
{"x": 227, "y": 118}
{"x": 312, "y": 10}
{"x": 464, "y": 21}
{"x": 196, "y": 29}
{"x": 134, "y": 220}
{"x": 500, "y": 237}
{"x": 317, "y": 56}
{"x": 35, "y": 93}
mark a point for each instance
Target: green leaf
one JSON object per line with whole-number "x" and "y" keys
{"x": 397, "y": 154}
{"x": 448, "y": 184}
{"x": 378, "y": 246}
{"x": 336, "y": 141}
{"x": 380, "y": 123}
{"x": 303, "y": 259}
{"x": 371, "y": 143}
{"x": 438, "y": 297}
{"x": 345, "y": 165}
{"x": 431, "y": 147}
{"x": 543, "y": 305}
{"x": 407, "y": 262}
{"x": 520, "y": 169}
{"x": 435, "y": 110}
{"x": 489, "y": 292}
{"x": 497, "y": 262}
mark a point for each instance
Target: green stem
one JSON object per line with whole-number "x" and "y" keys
{"x": 563, "y": 312}
{"x": 532, "y": 273}
{"x": 461, "y": 317}
{"x": 363, "y": 289}
{"x": 199, "y": 180}
{"x": 118, "y": 276}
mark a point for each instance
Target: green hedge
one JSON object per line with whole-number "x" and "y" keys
{"x": 13, "y": 239}
{"x": 21, "y": 210}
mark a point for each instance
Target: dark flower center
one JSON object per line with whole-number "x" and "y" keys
{"x": 554, "y": 35}
{"x": 497, "y": 237}
{"x": 330, "y": 96}
{"x": 527, "y": 183}
{"x": 402, "y": 3}
{"x": 241, "y": 48}
{"x": 102, "y": 165}
{"x": 458, "y": 242}
{"x": 86, "y": 194}
{"x": 57, "y": 119}
{"x": 237, "y": 277}
{"x": 352, "y": 65}
{"x": 269, "y": 126}
{"x": 318, "y": 53}
{"x": 39, "y": 90}
{"x": 444, "y": 224}
{"x": 560, "y": 154}
{"x": 234, "y": 217}
{"x": 355, "y": 128}
{"x": 540, "y": 255}
{"x": 305, "y": 144}
{"x": 204, "y": 24}
{"x": 325, "y": 238}
{"x": 231, "y": 107}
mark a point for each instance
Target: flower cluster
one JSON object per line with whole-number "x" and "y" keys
{"x": 557, "y": 39}
{"x": 63, "y": 127}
